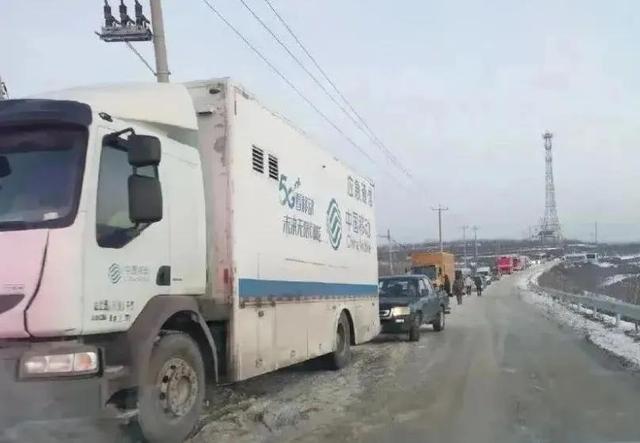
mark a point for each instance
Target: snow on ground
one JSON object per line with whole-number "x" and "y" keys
{"x": 604, "y": 264}
{"x": 275, "y": 406}
{"x": 613, "y": 279}
{"x": 629, "y": 257}
{"x": 602, "y": 331}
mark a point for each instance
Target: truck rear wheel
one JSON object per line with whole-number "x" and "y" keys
{"x": 171, "y": 394}
{"x": 341, "y": 357}
{"x": 438, "y": 323}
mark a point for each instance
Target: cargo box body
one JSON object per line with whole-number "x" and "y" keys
{"x": 291, "y": 234}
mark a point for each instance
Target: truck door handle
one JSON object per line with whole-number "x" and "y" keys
{"x": 163, "y": 278}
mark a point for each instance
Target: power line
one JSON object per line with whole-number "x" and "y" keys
{"x": 363, "y": 124}
{"x": 297, "y": 90}
{"x": 286, "y": 80}
{"x": 299, "y": 63}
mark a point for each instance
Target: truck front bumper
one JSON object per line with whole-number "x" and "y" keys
{"x": 397, "y": 325}
{"x": 24, "y": 401}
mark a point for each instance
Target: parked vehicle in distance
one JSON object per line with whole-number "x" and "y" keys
{"x": 592, "y": 257}
{"x": 504, "y": 264}
{"x": 517, "y": 263}
{"x": 485, "y": 273}
{"x": 575, "y": 259}
{"x": 409, "y": 301}
{"x": 434, "y": 265}
{"x": 179, "y": 234}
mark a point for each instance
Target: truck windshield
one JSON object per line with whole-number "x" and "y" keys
{"x": 429, "y": 271}
{"x": 398, "y": 287}
{"x": 40, "y": 175}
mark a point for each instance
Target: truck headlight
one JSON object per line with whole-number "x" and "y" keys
{"x": 68, "y": 364}
{"x": 400, "y": 311}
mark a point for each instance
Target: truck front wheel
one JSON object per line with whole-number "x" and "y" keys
{"x": 342, "y": 355}
{"x": 414, "y": 330}
{"x": 171, "y": 394}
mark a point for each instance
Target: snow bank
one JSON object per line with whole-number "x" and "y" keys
{"x": 602, "y": 331}
{"x": 628, "y": 257}
{"x": 616, "y": 279}
{"x": 604, "y": 264}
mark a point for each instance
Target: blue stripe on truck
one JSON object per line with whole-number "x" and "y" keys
{"x": 257, "y": 288}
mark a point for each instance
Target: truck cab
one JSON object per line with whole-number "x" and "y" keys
{"x": 102, "y": 233}
{"x": 409, "y": 301}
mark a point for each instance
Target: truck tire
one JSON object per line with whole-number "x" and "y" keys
{"x": 171, "y": 393}
{"x": 341, "y": 357}
{"x": 414, "y": 331}
{"x": 438, "y": 323}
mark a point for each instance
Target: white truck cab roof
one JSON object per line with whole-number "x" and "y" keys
{"x": 156, "y": 103}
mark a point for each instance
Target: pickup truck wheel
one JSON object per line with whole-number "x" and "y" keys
{"x": 414, "y": 332}
{"x": 438, "y": 323}
{"x": 172, "y": 392}
{"x": 341, "y": 357}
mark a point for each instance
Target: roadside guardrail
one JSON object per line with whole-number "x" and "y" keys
{"x": 596, "y": 302}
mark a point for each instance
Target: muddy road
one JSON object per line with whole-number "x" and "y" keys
{"x": 500, "y": 372}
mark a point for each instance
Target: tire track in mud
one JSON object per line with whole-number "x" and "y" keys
{"x": 281, "y": 405}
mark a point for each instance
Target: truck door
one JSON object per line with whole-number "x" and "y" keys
{"x": 125, "y": 265}
{"x": 434, "y": 301}
{"x": 425, "y": 299}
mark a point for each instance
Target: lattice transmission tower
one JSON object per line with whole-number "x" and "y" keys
{"x": 550, "y": 231}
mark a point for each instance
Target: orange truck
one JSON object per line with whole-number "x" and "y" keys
{"x": 435, "y": 265}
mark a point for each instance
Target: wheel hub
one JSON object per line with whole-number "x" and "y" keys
{"x": 178, "y": 387}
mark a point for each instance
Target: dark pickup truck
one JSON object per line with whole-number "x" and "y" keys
{"x": 409, "y": 301}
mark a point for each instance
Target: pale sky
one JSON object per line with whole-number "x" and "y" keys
{"x": 461, "y": 91}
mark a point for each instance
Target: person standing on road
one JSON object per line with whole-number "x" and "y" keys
{"x": 458, "y": 289}
{"x": 447, "y": 285}
{"x": 468, "y": 283}
{"x": 478, "y": 282}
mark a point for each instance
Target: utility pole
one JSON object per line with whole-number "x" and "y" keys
{"x": 596, "y": 233}
{"x": 464, "y": 243}
{"x": 475, "y": 244}
{"x": 389, "y": 243}
{"x": 159, "y": 45}
{"x": 440, "y": 208}
{"x": 390, "y": 252}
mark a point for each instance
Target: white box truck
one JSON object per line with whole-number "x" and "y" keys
{"x": 154, "y": 237}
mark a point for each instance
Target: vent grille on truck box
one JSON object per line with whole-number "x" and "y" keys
{"x": 258, "y": 159}
{"x": 273, "y": 167}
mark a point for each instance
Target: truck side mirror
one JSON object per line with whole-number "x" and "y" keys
{"x": 145, "y": 199}
{"x": 5, "y": 167}
{"x": 144, "y": 150}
